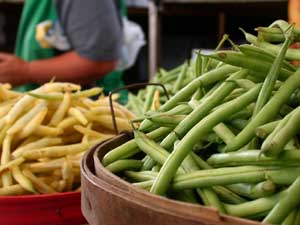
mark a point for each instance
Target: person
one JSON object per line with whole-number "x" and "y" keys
{"x": 85, "y": 43}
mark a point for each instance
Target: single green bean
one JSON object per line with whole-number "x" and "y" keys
{"x": 269, "y": 83}
{"x": 198, "y": 65}
{"x": 239, "y": 123}
{"x": 253, "y": 157}
{"x": 200, "y": 182}
{"x": 149, "y": 98}
{"x": 264, "y": 130}
{"x": 247, "y": 62}
{"x": 167, "y": 120}
{"x": 124, "y": 164}
{"x": 254, "y": 191}
{"x": 223, "y": 132}
{"x": 140, "y": 176}
{"x": 254, "y": 207}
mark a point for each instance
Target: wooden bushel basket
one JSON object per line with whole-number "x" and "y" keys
{"x": 109, "y": 200}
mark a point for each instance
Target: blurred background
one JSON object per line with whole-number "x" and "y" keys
{"x": 181, "y": 25}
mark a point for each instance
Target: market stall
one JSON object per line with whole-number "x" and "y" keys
{"x": 213, "y": 140}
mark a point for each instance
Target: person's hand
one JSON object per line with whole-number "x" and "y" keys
{"x": 13, "y": 69}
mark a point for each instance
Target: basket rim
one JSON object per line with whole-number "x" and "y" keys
{"x": 142, "y": 193}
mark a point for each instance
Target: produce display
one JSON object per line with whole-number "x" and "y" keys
{"x": 228, "y": 136}
{"x": 45, "y": 132}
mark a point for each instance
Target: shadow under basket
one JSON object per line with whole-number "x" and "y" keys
{"x": 108, "y": 200}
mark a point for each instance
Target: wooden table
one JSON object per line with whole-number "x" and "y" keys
{"x": 160, "y": 8}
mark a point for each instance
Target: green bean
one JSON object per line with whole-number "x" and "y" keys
{"x": 293, "y": 144}
{"x": 253, "y": 157}
{"x": 247, "y": 62}
{"x": 211, "y": 199}
{"x": 135, "y": 104}
{"x": 285, "y": 176}
{"x": 124, "y": 164}
{"x": 204, "y": 64}
{"x": 219, "y": 46}
{"x": 279, "y": 126}
{"x": 264, "y": 130}
{"x": 245, "y": 83}
{"x": 202, "y": 181}
{"x": 269, "y": 83}
{"x": 207, "y": 194}
{"x": 234, "y": 94}
{"x": 254, "y": 191}
{"x": 290, "y": 219}
{"x": 202, "y": 110}
{"x": 285, "y": 109}
{"x": 167, "y": 120}
{"x": 156, "y": 168}
{"x": 176, "y": 70}
{"x": 180, "y": 78}
{"x": 130, "y": 148}
{"x": 239, "y": 123}
{"x": 166, "y": 77}
{"x": 205, "y": 79}
{"x": 243, "y": 114}
{"x": 254, "y": 207}
{"x": 146, "y": 185}
{"x": 257, "y": 52}
{"x": 282, "y": 136}
{"x": 148, "y": 163}
{"x": 160, "y": 155}
{"x": 149, "y": 147}
{"x": 200, "y": 162}
{"x": 148, "y": 99}
{"x": 198, "y": 65}
{"x": 186, "y": 144}
{"x": 228, "y": 196}
{"x": 223, "y": 132}
{"x": 297, "y": 218}
{"x": 182, "y": 108}
{"x": 285, "y": 205}
{"x": 275, "y": 30}
{"x": 268, "y": 112}
{"x": 140, "y": 176}
{"x": 269, "y": 37}
{"x": 185, "y": 196}
{"x": 197, "y": 95}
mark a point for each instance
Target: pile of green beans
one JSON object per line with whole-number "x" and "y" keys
{"x": 228, "y": 137}
{"x": 173, "y": 80}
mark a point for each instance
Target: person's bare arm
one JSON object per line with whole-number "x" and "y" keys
{"x": 66, "y": 67}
